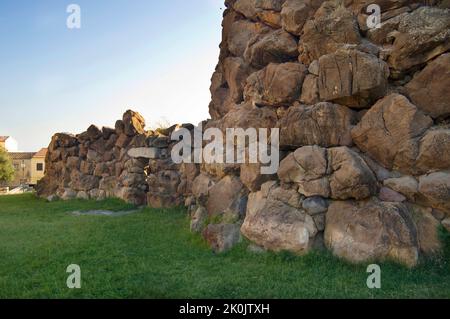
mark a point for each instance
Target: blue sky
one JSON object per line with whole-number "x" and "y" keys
{"x": 155, "y": 57}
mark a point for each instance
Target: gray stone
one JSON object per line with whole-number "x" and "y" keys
{"x": 222, "y": 237}
{"x": 406, "y": 185}
{"x": 82, "y": 195}
{"x": 144, "y": 152}
{"x": 198, "y": 221}
{"x": 315, "y": 205}
{"x": 389, "y": 195}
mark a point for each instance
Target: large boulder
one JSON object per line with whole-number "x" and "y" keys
{"x": 323, "y": 124}
{"x": 422, "y": 35}
{"x": 434, "y": 190}
{"x": 276, "y": 85}
{"x": 241, "y": 32}
{"x": 333, "y": 27}
{"x": 306, "y": 163}
{"x": 266, "y": 11}
{"x": 427, "y": 229}
{"x": 388, "y": 132}
{"x": 380, "y": 35}
{"x": 294, "y": 14}
{"x": 429, "y": 91}
{"x": 276, "y": 222}
{"x": 134, "y": 123}
{"x": 352, "y": 78}
{"x": 132, "y": 195}
{"x": 434, "y": 151}
{"x": 246, "y": 116}
{"x": 199, "y": 219}
{"x": 310, "y": 90}
{"x": 228, "y": 196}
{"x": 350, "y": 177}
{"x": 222, "y": 237}
{"x": 273, "y": 47}
{"x": 372, "y": 231}
{"x": 338, "y": 173}
{"x": 201, "y": 186}
{"x": 251, "y": 176}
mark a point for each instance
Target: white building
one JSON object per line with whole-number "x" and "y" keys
{"x": 8, "y": 143}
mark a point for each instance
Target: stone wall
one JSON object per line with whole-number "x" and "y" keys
{"x": 127, "y": 162}
{"x": 364, "y": 131}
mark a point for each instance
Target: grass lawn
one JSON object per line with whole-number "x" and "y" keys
{"x": 151, "y": 254}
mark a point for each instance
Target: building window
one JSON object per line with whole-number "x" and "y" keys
{"x": 39, "y": 167}
{"x": 16, "y": 166}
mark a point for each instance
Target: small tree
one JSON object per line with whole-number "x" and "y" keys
{"x": 6, "y": 167}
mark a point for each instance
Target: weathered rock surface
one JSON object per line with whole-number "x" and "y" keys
{"x": 134, "y": 123}
{"x": 276, "y": 85}
{"x": 406, "y": 185}
{"x": 264, "y": 11}
{"x": 315, "y": 205}
{"x": 337, "y": 173}
{"x": 273, "y": 47}
{"x": 222, "y": 237}
{"x": 389, "y": 132}
{"x": 362, "y": 232}
{"x": 202, "y": 185}
{"x": 252, "y": 177}
{"x": 228, "y": 195}
{"x": 310, "y": 90}
{"x": 429, "y": 88}
{"x": 350, "y": 177}
{"x": 421, "y": 36}
{"x": 241, "y": 33}
{"x": 389, "y": 195}
{"x": 352, "y": 78}
{"x": 247, "y": 116}
{"x": 273, "y": 223}
{"x": 427, "y": 230}
{"x": 323, "y": 124}
{"x": 333, "y": 27}
{"x": 434, "y": 151}
{"x": 199, "y": 219}
{"x": 295, "y": 14}
{"x": 434, "y": 190}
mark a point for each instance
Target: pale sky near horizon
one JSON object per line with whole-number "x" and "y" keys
{"x": 155, "y": 57}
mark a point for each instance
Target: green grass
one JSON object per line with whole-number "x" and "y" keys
{"x": 151, "y": 254}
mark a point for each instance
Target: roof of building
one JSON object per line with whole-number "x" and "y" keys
{"x": 3, "y": 138}
{"x": 41, "y": 153}
{"x": 21, "y": 155}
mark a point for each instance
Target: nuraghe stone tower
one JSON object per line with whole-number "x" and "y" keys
{"x": 364, "y": 127}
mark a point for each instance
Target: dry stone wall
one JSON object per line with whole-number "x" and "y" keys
{"x": 364, "y": 134}
{"x": 126, "y": 162}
